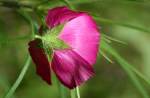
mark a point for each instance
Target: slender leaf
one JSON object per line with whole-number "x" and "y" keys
{"x": 19, "y": 79}
{"x": 111, "y": 22}
{"x": 125, "y": 65}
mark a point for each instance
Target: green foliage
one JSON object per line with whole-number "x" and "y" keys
{"x": 19, "y": 79}
{"x": 126, "y": 66}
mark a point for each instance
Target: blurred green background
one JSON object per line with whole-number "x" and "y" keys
{"x": 110, "y": 80}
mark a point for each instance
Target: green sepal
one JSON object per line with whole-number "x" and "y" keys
{"x": 51, "y": 39}
{"x": 56, "y": 30}
{"x": 46, "y": 48}
{"x": 48, "y": 51}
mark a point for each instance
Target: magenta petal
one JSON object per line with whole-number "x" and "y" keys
{"x": 59, "y": 15}
{"x": 82, "y": 35}
{"x": 70, "y": 68}
{"x": 40, "y": 60}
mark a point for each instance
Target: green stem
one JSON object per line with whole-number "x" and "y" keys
{"x": 27, "y": 63}
{"x": 39, "y": 37}
{"x": 19, "y": 79}
{"x": 15, "y": 4}
{"x": 68, "y": 4}
{"x": 77, "y": 92}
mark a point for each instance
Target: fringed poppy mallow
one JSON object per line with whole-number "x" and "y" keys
{"x": 69, "y": 47}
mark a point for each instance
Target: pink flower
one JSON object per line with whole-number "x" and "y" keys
{"x": 72, "y": 65}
